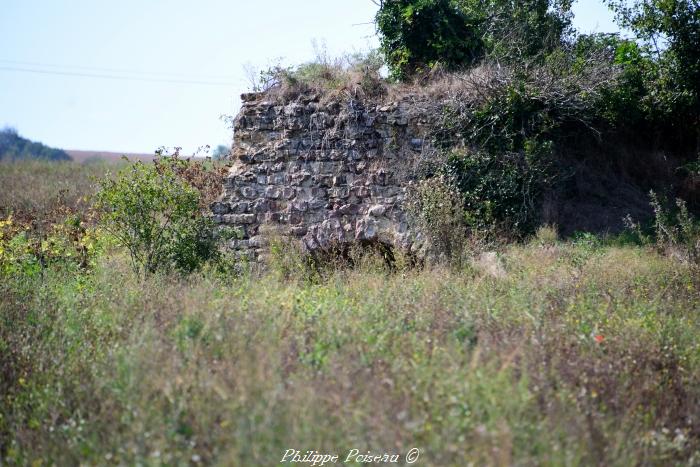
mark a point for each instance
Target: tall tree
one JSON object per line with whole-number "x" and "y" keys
{"x": 670, "y": 31}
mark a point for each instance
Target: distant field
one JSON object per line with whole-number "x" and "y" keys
{"x": 83, "y": 156}
{"x": 38, "y": 188}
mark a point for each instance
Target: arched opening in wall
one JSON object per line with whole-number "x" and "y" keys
{"x": 366, "y": 255}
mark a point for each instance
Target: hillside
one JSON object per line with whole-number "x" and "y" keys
{"x": 15, "y": 147}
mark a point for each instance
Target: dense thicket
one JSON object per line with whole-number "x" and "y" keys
{"x": 659, "y": 80}
{"x": 535, "y": 93}
{"x": 13, "y": 146}
{"x": 416, "y": 35}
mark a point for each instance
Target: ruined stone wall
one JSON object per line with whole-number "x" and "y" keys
{"x": 329, "y": 174}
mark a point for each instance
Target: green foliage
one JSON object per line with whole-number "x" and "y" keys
{"x": 670, "y": 28}
{"x": 522, "y": 30}
{"x": 669, "y": 31}
{"x": 512, "y": 119}
{"x": 625, "y": 102}
{"x": 438, "y": 211}
{"x": 418, "y": 34}
{"x": 156, "y": 215}
{"x": 676, "y": 229}
{"x": 501, "y": 192}
{"x": 14, "y": 147}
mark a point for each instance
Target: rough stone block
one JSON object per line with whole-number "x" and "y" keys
{"x": 249, "y": 192}
{"x": 239, "y": 219}
{"x": 272, "y": 192}
{"x": 220, "y": 207}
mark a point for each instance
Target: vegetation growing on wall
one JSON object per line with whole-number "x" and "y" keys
{"x": 533, "y": 89}
{"x": 417, "y": 35}
{"x": 354, "y": 76}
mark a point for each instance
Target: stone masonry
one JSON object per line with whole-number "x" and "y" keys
{"x": 329, "y": 174}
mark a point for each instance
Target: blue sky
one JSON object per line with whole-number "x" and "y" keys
{"x": 149, "y": 48}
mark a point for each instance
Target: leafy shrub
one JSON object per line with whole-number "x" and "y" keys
{"x": 525, "y": 29}
{"x": 669, "y": 30}
{"x": 676, "y": 230}
{"x": 439, "y": 213}
{"x": 669, "y": 62}
{"x": 623, "y": 104}
{"x": 157, "y": 216}
{"x": 418, "y": 34}
{"x": 500, "y": 192}
{"x": 27, "y": 248}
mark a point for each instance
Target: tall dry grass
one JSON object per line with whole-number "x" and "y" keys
{"x": 580, "y": 355}
{"x": 36, "y": 188}
{"x": 573, "y": 353}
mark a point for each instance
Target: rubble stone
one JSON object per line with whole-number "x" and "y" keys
{"x": 325, "y": 173}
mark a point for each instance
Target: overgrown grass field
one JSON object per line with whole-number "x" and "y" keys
{"x": 581, "y": 352}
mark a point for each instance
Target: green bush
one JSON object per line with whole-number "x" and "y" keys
{"x": 156, "y": 216}
{"x": 676, "y": 230}
{"x": 668, "y": 32}
{"x": 526, "y": 29}
{"x": 624, "y": 104}
{"x": 418, "y": 34}
{"x": 501, "y": 192}
{"x": 437, "y": 209}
